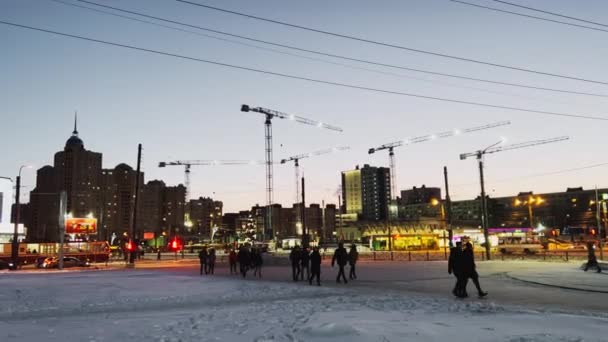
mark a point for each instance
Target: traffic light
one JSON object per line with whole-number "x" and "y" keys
{"x": 175, "y": 245}
{"x": 592, "y": 231}
{"x": 129, "y": 246}
{"x": 553, "y": 232}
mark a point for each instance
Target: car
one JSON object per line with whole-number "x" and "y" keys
{"x": 5, "y": 265}
{"x": 53, "y": 262}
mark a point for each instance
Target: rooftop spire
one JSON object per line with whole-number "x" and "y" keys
{"x": 75, "y": 132}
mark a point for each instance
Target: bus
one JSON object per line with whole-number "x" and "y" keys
{"x": 32, "y": 253}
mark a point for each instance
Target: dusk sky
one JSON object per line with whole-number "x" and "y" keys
{"x": 181, "y": 109}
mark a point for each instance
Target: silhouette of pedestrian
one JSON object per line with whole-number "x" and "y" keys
{"x": 158, "y": 255}
{"x": 469, "y": 268}
{"x": 244, "y": 260}
{"x": 256, "y": 260}
{"x": 341, "y": 258}
{"x": 232, "y": 261}
{"x": 294, "y": 257}
{"x": 591, "y": 259}
{"x": 315, "y": 266}
{"x": 211, "y": 261}
{"x": 305, "y": 263}
{"x": 353, "y": 256}
{"x": 455, "y": 266}
{"x": 202, "y": 257}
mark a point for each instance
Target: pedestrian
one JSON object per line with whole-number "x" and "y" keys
{"x": 591, "y": 259}
{"x": 232, "y": 261}
{"x": 305, "y": 263}
{"x": 202, "y": 257}
{"x": 294, "y": 257}
{"x": 315, "y": 266}
{"x": 256, "y": 258}
{"x": 470, "y": 269}
{"x": 244, "y": 260}
{"x": 341, "y": 258}
{"x": 455, "y": 267}
{"x": 211, "y": 261}
{"x": 353, "y": 256}
{"x": 158, "y": 254}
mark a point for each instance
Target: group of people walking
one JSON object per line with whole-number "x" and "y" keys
{"x": 207, "y": 259}
{"x": 303, "y": 260}
{"x": 462, "y": 264}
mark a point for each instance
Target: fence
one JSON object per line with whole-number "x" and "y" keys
{"x": 438, "y": 255}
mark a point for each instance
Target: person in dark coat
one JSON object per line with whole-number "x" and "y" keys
{"x": 341, "y": 258}
{"x": 256, "y": 261}
{"x": 591, "y": 259}
{"x": 294, "y": 257}
{"x": 304, "y": 263}
{"x": 353, "y": 256}
{"x": 455, "y": 266}
{"x": 232, "y": 261}
{"x": 211, "y": 261}
{"x": 244, "y": 260}
{"x": 202, "y": 257}
{"x": 315, "y": 266}
{"x": 469, "y": 268}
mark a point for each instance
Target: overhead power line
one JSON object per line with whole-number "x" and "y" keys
{"x": 552, "y": 13}
{"x": 308, "y": 79}
{"x": 541, "y": 174}
{"x": 316, "y": 52}
{"x": 529, "y": 16}
{"x": 393, "y": 45}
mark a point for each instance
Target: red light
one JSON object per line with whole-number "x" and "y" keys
{"x": 174, "y": 244}
{"x": 129, "y": 246}
{"x": 592, "y": 231}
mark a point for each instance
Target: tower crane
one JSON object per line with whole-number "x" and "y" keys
{"x": 270, "y": 114}
{"x": 494, "y": 148}
{"x": 189, "y": 163}
{"x": 296, "y": 160}
{"x": 391, "y": 146}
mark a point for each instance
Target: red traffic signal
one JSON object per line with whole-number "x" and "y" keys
{"x": 129, "y": 246}
{"x": 175, "y": 245}
{"x": 592, "y": 231}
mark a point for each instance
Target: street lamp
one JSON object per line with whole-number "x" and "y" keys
{"x": 530, "y": 201}
{"x": 15, "y": 245}
{"x": 435, "y": 202}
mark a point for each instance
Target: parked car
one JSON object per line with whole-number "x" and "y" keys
{"x": 5, "y": 265}
{"x": 53, "y": 262}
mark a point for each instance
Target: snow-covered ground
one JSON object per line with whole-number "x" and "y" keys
{"x": 179, "y": 305}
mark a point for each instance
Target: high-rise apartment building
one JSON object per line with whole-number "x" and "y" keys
{"x": 352, "y": 196}
{"x": 118, "y": 195}
{"x": 367, "y": 192}
{"x": 205, "y": 213}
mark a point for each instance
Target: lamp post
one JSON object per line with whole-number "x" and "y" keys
{"x": 436, "y": 202}
{"x": 530, "y": 201}
{"x": 15, "y": 245}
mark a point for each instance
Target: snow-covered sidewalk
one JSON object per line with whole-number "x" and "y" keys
{"x": 563, "y": 275}
{"x": 146, "y": 305}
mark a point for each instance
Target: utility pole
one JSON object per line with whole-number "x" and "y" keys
{"x": 484, "y": 208}
{"x": 599, "y": 222}
{"x": 448, "y": 204}
{"x": 63, "y": 207}
{"x": 15, "y": 245}
{"x": 133, "y": 233}
{"x": 305, "y": 237}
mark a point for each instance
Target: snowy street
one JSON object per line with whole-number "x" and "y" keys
{"x": 389, "y": 302}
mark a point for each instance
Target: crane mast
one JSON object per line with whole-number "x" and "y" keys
{"x": 296, "y": 160}
{"x": 270, "y": 114}
{"x": 494, "y": 148}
